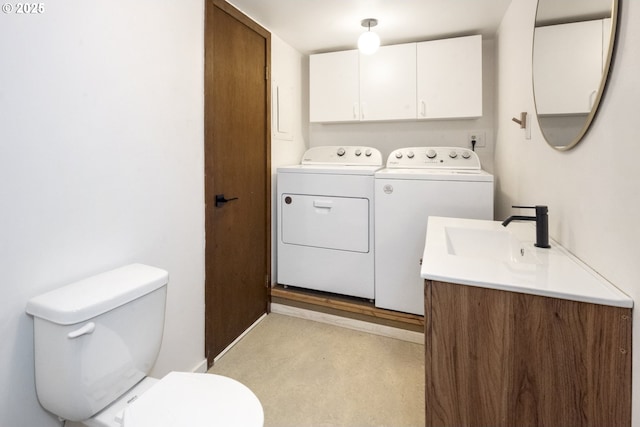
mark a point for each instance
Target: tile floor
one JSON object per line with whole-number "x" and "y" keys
{"x": 308, "y": 373}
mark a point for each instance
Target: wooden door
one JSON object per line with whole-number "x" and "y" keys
{"x": 237, "y": 157}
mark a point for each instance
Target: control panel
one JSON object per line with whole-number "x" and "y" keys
{"x": 433, "y": 157}
{"x": 342, "y": 155}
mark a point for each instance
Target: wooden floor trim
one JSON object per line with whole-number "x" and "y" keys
{"x": 342, "y": 304}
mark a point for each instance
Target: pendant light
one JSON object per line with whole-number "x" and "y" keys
{"x": 368, "y": 42}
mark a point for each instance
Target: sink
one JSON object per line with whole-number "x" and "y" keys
{"x": 498, "y": 245}
{"x": 483, "y": 253}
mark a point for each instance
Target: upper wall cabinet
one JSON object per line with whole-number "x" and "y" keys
{"x": 568, "y": 65}
{"x": 388, "y": 83}
{"x": 439, "y": 79}
{"x": 334, "y": 91}
{"x": 450, "y": 78}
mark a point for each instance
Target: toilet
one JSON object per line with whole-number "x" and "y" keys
{"x": 95, "y": 342}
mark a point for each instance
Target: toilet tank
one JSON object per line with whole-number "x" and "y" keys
{"x": 96, "y": 338}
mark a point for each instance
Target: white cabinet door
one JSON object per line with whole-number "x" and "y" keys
{"x": 567, "y": 67}
{"x": 333, "y": 87}
{"x": 450, "y": 78}
{"x": 388, "y": 83}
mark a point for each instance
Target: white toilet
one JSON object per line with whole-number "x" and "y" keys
{"x": 95, "y": 342}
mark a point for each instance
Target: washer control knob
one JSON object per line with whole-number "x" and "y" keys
{"x": 431, "y": 154}
{"x": 368, "y": 152}
{"x": 398, "y": 155}
{"x": 466, "y": 154}
{"x": 341, "y": 151}
{"x": 453, "y": 154}
{"x": 410, "y": 154}
{"x": 358, "y": 152}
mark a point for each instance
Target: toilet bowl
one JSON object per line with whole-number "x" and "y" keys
{"x": 95, "y": 342}
{"x": 183, "y": 399}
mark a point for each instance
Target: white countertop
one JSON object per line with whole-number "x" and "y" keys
{"x": 550, "y": 272}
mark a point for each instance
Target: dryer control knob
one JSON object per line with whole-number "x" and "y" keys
{"x": 431, "y": 154}
{"x": 358, "y": 152}
{"x": 410, "y": 154}
{"x": 398, "y": 155}
{"x": 367, "y": 152}
{"x": 341, "y": 151}
{"x": 453, "y": 154}
{"x": 466, "y": 154}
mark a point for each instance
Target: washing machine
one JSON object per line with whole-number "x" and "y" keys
{"x": 325, "y": 221}
{"x": 416, "y": 183}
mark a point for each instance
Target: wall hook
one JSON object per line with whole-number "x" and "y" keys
{"x": 523, "y": 120}
{"x": 524, "y": 124}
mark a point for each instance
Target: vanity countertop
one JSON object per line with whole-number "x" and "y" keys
{"x": 485, "y": 254}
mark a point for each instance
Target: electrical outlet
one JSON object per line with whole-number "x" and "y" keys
{"x": 478, "y": 137}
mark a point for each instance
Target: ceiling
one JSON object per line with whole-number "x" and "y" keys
{"x": 313, "y": 26}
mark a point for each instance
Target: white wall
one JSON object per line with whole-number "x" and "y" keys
{"x": 388, "y": 136}
{"x": 101, "y": 164}
{"x": 290, "y": 69}
{"x": 592, "y": 191}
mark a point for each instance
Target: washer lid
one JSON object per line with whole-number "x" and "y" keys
{"x": 436, "y": 174}
{"x": 196, "y": 400}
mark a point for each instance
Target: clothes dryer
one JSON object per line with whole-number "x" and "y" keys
{"x": 419, "y": 182}
{"x": 325, "y": 221}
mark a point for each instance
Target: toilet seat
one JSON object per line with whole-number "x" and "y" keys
{"x": 195, "y": 400}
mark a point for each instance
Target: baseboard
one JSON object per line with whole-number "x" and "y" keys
{"x": 345, "y": 306}
{"x": 201, "y": 367}
{"x": 230, "y": 346}
{"x": 358, "y": 325}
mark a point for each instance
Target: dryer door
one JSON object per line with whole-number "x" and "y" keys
{"x": 340, "y": 223}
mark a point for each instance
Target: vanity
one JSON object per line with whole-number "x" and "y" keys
{"x": 520, "y": 336}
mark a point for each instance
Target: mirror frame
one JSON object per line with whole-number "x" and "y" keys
{"x": 601, "y": 88}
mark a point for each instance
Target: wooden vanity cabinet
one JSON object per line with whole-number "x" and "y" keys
{"x": 497, "y": 358}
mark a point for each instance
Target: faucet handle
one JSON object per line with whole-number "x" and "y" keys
{"x": 540, "y": 209}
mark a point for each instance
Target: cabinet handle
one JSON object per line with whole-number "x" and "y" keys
{"x": 363, "y": 110}
{"x": 423, "y": 108}
{"x": 355, "y": 110}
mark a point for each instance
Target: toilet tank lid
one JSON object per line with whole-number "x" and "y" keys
{"x": 90, "y": 297}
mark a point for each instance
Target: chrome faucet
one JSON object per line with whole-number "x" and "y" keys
{"x": 542, "y": 223}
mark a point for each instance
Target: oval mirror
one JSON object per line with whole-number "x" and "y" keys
{"x": 572, "y": 47}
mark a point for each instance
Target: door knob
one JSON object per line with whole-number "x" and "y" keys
{"x": 220, "y": 200}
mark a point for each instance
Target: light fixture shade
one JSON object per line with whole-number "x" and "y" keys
{"x": 368, "y": 42}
